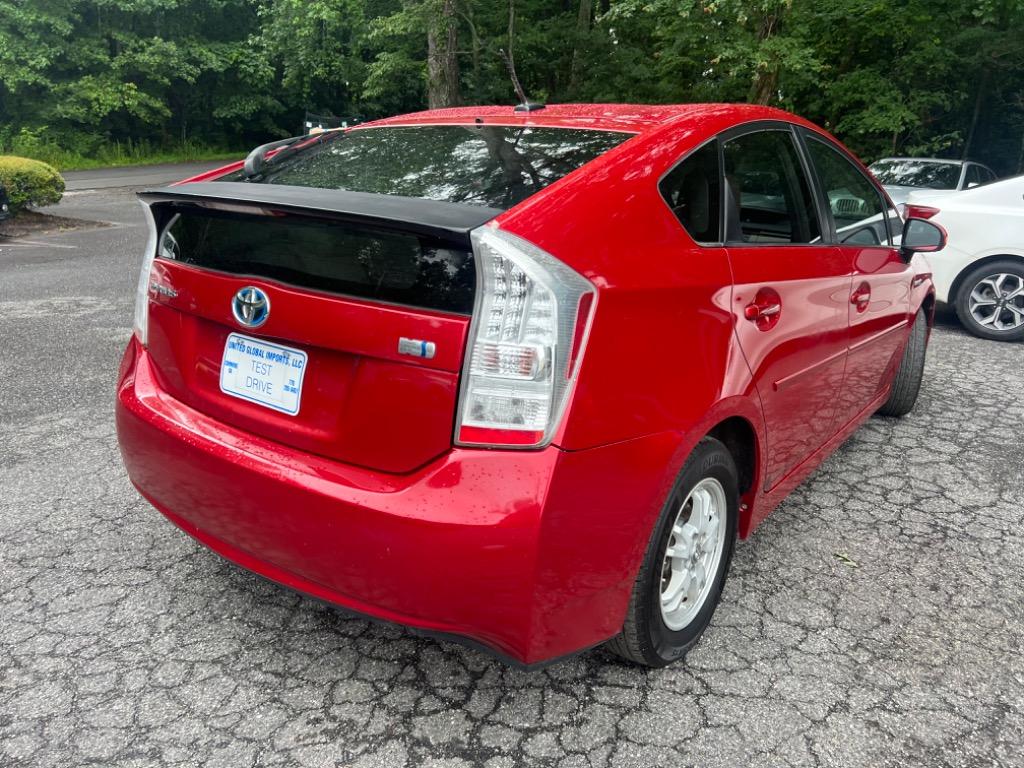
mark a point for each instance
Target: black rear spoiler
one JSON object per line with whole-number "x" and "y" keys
{"x": 450, "y": 222}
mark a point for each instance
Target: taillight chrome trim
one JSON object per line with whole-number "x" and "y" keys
{"x": 141, "y": 322}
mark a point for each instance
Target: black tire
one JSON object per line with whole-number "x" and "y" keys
{"x": 907, "y": 382}
{"x": 645, "y": 638}
{"x": 967, "y": 286}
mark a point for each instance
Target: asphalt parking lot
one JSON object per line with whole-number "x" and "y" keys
{"x": 876, "y": 619}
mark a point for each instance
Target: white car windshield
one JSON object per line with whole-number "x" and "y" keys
{"x": 917, "y": 173}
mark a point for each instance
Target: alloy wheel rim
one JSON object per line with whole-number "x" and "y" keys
{"x": 693, "y": 553}
{"x": 997, "y": 302}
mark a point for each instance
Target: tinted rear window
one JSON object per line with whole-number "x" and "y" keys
{"x": 493, "y": 166}
{"x": 325, "y": 255}
{"x": 692, "y": 190}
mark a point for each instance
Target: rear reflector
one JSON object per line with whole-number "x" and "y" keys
{"x": 529, "y": 324}
{"x": 495, "y": 437}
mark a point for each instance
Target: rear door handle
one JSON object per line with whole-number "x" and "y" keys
{"x": 758, "y": 311}
{"x": 861, "y": 297}
{"x": 765, "y": 309}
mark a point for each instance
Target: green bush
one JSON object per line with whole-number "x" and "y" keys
{"x": 30, "y": 182}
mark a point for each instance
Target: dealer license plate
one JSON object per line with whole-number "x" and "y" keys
{"x": 263, "y": 373}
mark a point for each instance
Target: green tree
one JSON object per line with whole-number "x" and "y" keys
{"x": 910, "y": 77}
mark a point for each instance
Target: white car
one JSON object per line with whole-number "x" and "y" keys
{"x": 981, "y": 270}
{"x": 901, "y": 176}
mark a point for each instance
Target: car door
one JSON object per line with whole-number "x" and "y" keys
{"x": 791, "y": 290}
{"x": 879, "y": 302}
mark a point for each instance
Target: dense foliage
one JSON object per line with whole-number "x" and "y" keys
{"x": 30, "y": 182}
{"x": 910, "y": 77}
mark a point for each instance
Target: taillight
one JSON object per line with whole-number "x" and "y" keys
{"x": 529, "y": 325}
{"x": 142, "y": 291}
{"x": 911, "y": 211}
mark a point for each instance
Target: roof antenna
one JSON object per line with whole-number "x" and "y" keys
{"x": 524, "y": 105}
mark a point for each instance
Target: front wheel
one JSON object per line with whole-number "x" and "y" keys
{"x": 990, "y": 302}
{"x": 680, "y": 581}
{"x": 907, "y": 381}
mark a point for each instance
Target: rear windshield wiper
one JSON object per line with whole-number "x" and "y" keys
{"x": 257, "y": 160}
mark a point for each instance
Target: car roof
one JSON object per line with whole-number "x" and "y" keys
{"x": 942, "y": 160}
{"x": 631, "y": 118}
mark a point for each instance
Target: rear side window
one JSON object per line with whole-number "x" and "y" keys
{"x": 693, "y": 191}
{"x": 495, "y": 166}
{"x": 325, "y": 255}
{"x": 854, "y": 202}
{"x": 768, "y": 199}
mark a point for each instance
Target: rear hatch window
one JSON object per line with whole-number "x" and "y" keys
{"x": 337, "y": 257}
{"x": 494, "y": 166}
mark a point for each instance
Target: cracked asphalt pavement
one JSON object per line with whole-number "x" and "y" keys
{"x": 876, "y": 619}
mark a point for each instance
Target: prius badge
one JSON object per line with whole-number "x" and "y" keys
{"x": 251, "y": 307}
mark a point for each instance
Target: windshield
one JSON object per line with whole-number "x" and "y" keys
{"x": 494, "y": 166}
{"x": 917, "y": 173}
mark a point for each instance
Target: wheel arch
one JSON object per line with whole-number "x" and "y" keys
{"x": 928, "y": 307}
{"x": 739, "y": 436}
{"x": 954, "y": 289}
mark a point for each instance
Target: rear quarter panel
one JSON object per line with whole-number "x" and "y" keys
{"x": 661, "y": 349}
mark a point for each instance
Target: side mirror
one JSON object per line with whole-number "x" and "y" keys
{"x": 921, "y": 236}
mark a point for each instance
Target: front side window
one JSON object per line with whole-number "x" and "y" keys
{"x": 489, "y": 165}
{"x": 853, "y": 201}
{"x": 976, "y": 176}
{"x": 693, "y": 191}
{"x": 768, "y": 199}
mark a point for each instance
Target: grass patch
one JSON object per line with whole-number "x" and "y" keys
{"x": 79, "y": 163}
{"x": 116, "y": 153}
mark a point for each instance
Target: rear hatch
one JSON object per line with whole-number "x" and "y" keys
{"x": 326, "y": 307}
{"x": 372, "y": 308}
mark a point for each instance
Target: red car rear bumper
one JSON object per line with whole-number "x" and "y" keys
{"x": 529, "y": 553}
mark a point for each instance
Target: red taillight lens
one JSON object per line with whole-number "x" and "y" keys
{"x": 919, "y": 211}
{"x": 529, "y": 328}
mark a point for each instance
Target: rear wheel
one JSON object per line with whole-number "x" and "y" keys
{"x": 907, "y": 382}
{"x": 683, "y": 572}
{"x": 990, "y": 302}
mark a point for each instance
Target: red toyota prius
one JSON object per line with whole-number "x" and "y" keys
{"x": 519, "y": 377}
